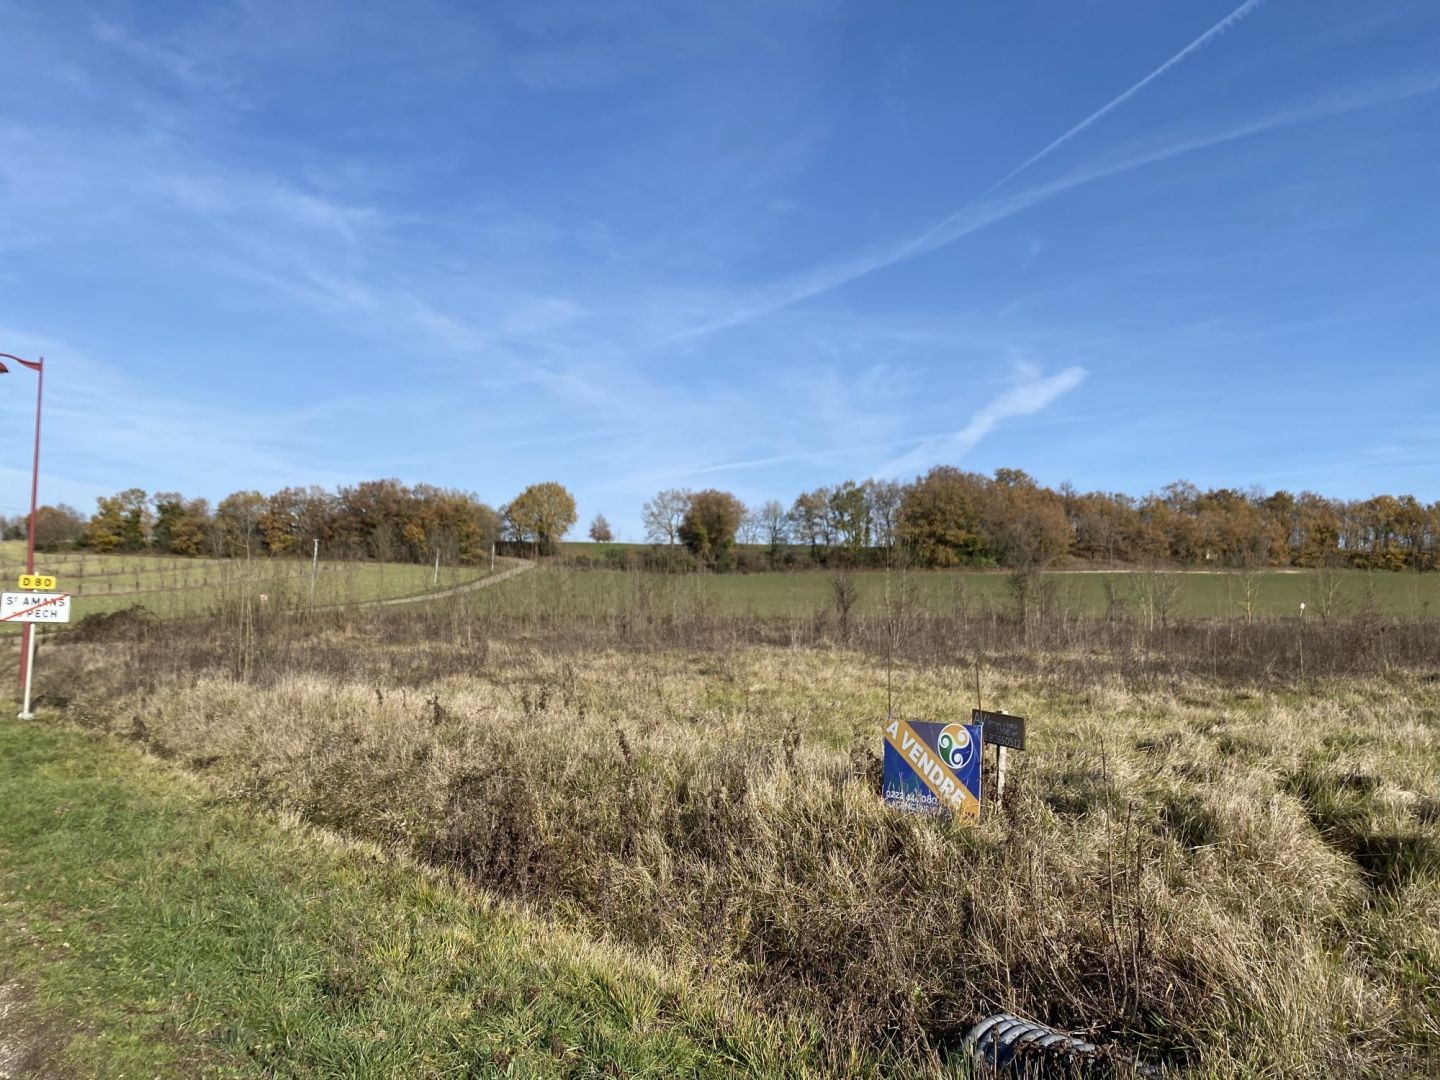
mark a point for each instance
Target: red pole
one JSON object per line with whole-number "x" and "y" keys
{"x": 35, "y": 471}
{"x": 29, "y": 628}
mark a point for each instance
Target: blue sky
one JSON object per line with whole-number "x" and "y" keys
{"x": 754, "y": 245}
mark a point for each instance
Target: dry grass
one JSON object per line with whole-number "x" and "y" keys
{"x": 1229, "y": 867}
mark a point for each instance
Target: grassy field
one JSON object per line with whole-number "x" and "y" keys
{"x": 189, "y": 587}
{"x": 1233, "y": 876}
{"x": 595, "y": 823}
{"x": 171, "y": 587}
{"x": 149, "y": 930}
{"x": 1268, "y": 594}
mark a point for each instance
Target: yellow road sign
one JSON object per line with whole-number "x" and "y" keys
{"x": 37, "y": 581}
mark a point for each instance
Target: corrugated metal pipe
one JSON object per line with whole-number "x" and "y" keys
{"x": 1005, "y": 1045}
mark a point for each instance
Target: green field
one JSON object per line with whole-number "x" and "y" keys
{"x": 1181, "y": 594}
{"x": 146, "y": 930}
{"x": 171, "y": 586}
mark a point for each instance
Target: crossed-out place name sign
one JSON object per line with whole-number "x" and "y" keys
{"x": 34, "y": 607}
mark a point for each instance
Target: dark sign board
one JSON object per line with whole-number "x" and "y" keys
{"x": 1001, "y": 729}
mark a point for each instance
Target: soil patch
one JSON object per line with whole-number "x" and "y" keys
{"x": 26, "y": 1047}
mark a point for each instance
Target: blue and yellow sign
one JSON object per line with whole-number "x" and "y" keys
{"x": 933, "y": 768}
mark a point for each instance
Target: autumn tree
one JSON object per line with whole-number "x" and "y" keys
{"x": 709, "y": 526}
{"x": 541, "y": 515}
{"x": 847, "y": 514}
{"x": 169, "y": 506}
{"x": 190, "y": 532}
{"x": 105, "y": 530}
{"x": 1105, "y": 526}
{"x": 453, "y": 524}
{"x": 1025, "y": 524}
{"x": 810, "y": 519}
{"x": 57, "y": 527}
{"x": 939, "y": 517}
{"x": 182, "y": 526}
{"x": 121, "y": 522}
{"x": 135, "y": 519}
{"x": 370, "y": 519}
{"x": 600, "y": 530}
{"x": 280, "y": 521}
{"x": 236, "y": 531}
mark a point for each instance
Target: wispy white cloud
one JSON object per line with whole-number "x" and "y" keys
{"x": 187, "y": 69}
{"x": 102, "y": 427}
{"x": 1032, "y": 394}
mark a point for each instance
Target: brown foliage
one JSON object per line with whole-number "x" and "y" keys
{"x": 711, "y": 521}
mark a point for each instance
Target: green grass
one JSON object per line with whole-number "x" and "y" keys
{"x": 159, "y": 932}
{"x": 172, "y": 587}
{"x": 1195, "y": 594}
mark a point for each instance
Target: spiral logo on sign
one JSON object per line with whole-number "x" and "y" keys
{"x": 956, "y": 746}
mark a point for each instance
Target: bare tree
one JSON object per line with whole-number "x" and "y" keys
{"x": 1326, "y": 591}
{"x": 1158, "y": 594}
{"x": 1251, "y": 579}
{"x": 846, "y": 591}
{"x": 663, "y": 514}
{"x": 774, "y": 524}
{"x": 752, "y": 529}
{"x": 884, "y": 497}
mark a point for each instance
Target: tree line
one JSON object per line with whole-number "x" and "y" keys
{"x": 950, "y": 517}
{"x": 377, "y": 519}
{"x": 946, "y": 518}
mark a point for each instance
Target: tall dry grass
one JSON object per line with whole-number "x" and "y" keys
{"x": 1222, "y": 848}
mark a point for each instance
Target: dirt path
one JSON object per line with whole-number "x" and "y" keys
{"x": 22, "y": 1044}
{"x": 521, "y": 565}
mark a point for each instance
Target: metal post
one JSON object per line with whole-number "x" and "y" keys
{"x": 25, "y": 713}
{"x": 999, "y": 773}
{"x": 436, "y": 580}
{"x": 314, "y": 569}
{"x": 27, "y": 641}
{"x": 492, "y": 556}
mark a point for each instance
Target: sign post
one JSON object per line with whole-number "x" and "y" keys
{"x": 25, "y": 713}
{"x": 33, "y": 608}
{"x": 314, "y": 570}
{"x": 1004, "y": 732}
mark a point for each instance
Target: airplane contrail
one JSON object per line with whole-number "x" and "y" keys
{"x": 1195, "y": 46}
{"x": 973, "y": 214}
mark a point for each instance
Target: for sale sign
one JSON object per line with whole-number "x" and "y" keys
{"x": 933, "y": 768}
{"x": 34, "y": 607}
